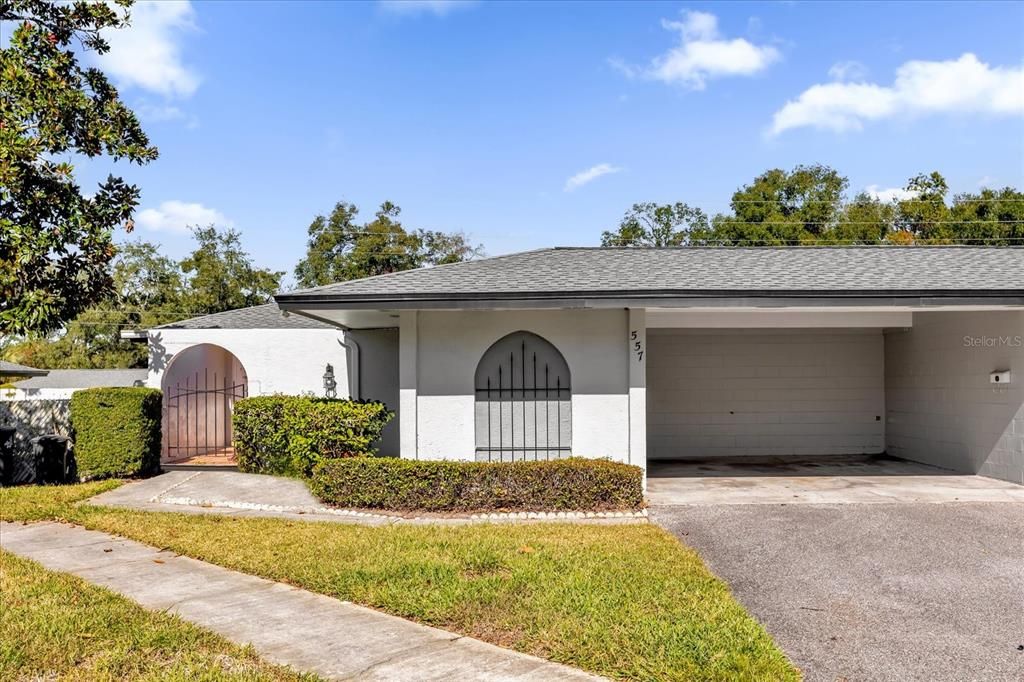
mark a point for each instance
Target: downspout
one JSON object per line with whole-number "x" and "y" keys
{"x": 354, "y": 385}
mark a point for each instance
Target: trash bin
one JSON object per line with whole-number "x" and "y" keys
{"x": 6, "y": 453}
{"x": 53, "y": 462}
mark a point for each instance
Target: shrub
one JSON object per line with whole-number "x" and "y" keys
{"x": 402, "y": 484}
{"x": 116, "y": 431}
{"x": 282, "y": 434}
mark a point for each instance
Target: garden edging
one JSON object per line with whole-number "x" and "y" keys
{"x": 376, "y": 517}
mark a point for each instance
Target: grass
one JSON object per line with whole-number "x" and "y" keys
{"x": 56, "y": 626}
{"x": 628, "y": 602}
{"x": 48, "y": 502}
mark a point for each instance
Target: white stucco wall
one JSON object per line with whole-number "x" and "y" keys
{"x": 449, "y": 344}
{"x": 288, "y": 361}
{"x": 755, "y": 392}
{"x": 942, "y": 408}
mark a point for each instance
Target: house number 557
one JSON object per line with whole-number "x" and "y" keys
{"x": 637, "y": 345}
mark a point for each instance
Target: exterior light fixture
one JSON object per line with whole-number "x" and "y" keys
{"x": 330, "y": 385}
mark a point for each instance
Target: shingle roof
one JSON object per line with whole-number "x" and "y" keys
{"x": 607, "y": 272}
{"x": 267, "y": 316}
{"x": 12, "y": 369}
{"x": 86, "y": 378}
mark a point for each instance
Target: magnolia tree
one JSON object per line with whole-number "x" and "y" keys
{"x": 56, "y": 240}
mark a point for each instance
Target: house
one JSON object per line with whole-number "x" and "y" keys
{"x": 651, "y": 354}
{"x": 59, "y": 384}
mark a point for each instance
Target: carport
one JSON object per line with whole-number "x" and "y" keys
{"x": 865, "y": 405}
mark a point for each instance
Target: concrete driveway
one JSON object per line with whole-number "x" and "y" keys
{"x": 884, "y": 591}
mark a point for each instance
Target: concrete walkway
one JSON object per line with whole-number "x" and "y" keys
{"x": 286, "y": 625}
{"x": 237, "y": 494}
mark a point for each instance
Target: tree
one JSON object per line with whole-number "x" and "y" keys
{"x": 148, "y": 291}
{"x": 865, "y": 220}
{"x": 340, "y": 249}
{"x": 651, "y": 224}
{"x": 56, "y": 242}
{"x": 221, "y": 276}
{"x": 991, "y": 217}
{"x": 923, "y": 214}
{"x": 796, "y": 207}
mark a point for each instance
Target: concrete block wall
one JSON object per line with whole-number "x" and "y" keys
{"x": 764, "y": 392}
{"x": 941, "y": 407}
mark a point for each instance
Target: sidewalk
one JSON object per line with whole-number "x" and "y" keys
{"x": 286, "y": 625}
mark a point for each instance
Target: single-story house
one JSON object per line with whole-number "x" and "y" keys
{"x": 678, "y": 353}
{"x": 638, "y": 355}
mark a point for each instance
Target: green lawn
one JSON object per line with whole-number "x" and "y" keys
{"x": 623, "y": 601}
{"x": 55, "y": 626}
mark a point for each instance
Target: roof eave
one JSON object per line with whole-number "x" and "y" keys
{"x": 655, "y": 298}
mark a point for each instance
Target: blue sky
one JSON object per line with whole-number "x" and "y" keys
{"x": 476, "y": 117}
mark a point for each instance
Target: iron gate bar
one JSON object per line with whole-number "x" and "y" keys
{"x": 183, "y": 435}
{"x": 523, "y": 392}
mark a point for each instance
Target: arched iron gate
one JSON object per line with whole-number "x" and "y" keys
{"x": 198, "y": 416}
{"x": 523, "y": 401}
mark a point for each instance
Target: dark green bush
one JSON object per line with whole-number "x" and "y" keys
{"x": 575, "y": 484}
{"x": 116, "y": 431}
{"x": 286, "y": 434}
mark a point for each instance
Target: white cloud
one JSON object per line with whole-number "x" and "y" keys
{"x": 964, "y": 85}
{"x": 150, "y": 112}
{"x": 178, "y": 216}
{"x": 889, "y": 194}
{"x": 147, "y": 54}
{"x": 702, "y": 54}
{"x": 848, "y": 71}
{"x": 589, "y": 175}
{"x": 435, "y": 7}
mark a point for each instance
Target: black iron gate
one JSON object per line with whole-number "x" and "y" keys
{"x": 197, "y": 416}
{"x": 523, "y": 401}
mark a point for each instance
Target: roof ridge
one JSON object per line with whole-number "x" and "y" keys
{"x": 420, "y": 269}
{"x": 776, "y": 247}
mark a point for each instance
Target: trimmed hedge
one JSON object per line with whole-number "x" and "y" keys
{"x": 575, "y": 484}
{"x": 116, "y": 431}
{"x": 287, "y": 434}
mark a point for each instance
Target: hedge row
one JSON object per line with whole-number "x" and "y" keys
{"x": 282, "y": 434}
{"x": 116, "y": 431}
{"x": 401, "y": 484}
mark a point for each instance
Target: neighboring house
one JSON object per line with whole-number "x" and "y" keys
{"x": 10, "y": 371}
{"x": 204, "y": 364}
{"x": 638, "y": 354}
{"x": 59, "y": 384}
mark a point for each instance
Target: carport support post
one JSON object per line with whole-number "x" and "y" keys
{"x": 636, "y": 339}
{"x": 407, "y": 378}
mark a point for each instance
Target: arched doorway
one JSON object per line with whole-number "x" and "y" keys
{"x": 200, "y": 388}
{"x": 523, "y": 401}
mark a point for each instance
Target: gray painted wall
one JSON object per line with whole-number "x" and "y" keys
{"x": 378, "y": 377}
{"x": 942, "y": 410}
{"x": 764, "y": 393}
